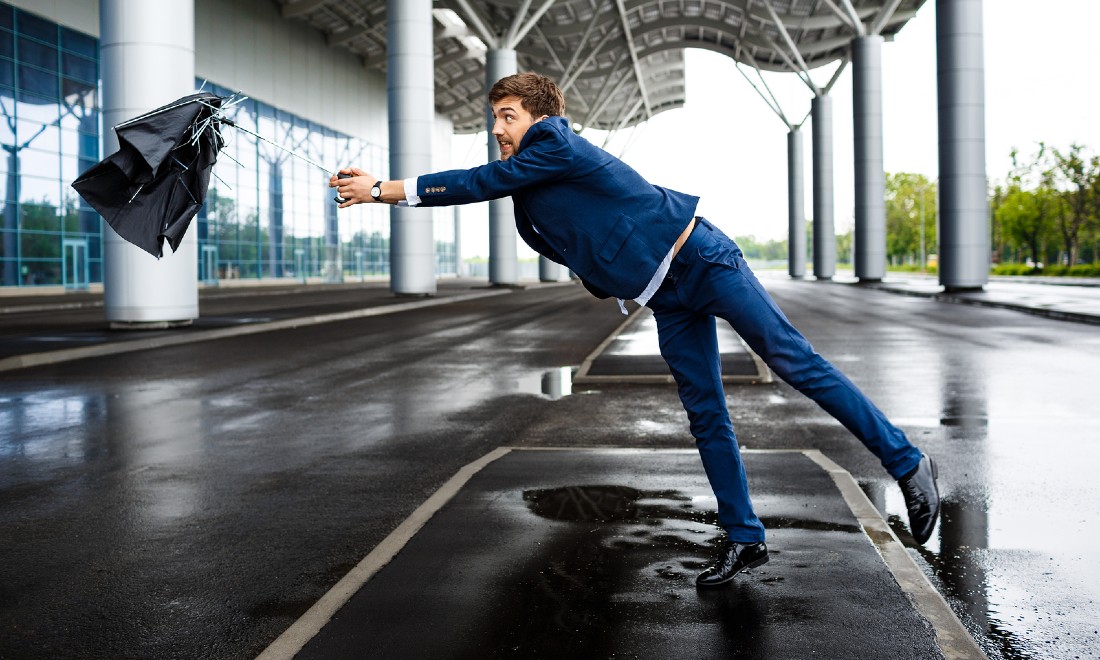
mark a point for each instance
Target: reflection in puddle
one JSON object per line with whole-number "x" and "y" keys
{"x": 619, "y": 559}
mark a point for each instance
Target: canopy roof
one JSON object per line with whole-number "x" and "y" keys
{"x": 619, "y": 61}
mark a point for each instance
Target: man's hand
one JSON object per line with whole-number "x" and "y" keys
{"x": 355, "y": 190}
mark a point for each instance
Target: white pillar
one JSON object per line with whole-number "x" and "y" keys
{"x": 410, "y": 87}
{"x": 796, "y": 206}
{"x": 503, "y": 265}
{"x": 870, "y": 177}
{"x": 821, "y": 109}
{"x": 147, "y": 59}
{"x": 964, "y": 242}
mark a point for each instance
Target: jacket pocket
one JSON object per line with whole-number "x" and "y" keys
{"x": 614, "y": 242}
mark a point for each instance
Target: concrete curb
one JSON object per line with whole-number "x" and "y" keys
{"x": 1058, "y": 315}
{"x": 952, "y": 637}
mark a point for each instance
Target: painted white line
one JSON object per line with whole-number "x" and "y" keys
{"x": 304, "y": 629}
{"x": 129, "y": 345}
{"x": 951, "y": 636}
{"x": 582, "y": 377}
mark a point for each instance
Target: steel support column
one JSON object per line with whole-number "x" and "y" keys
{"x": 147, "y": 55}
{"x": 964, "y": 241}
{"x": 410, "y": 87}
{"x": 796, "y": 206}
{"x": 821, "y": 111}
{"x": 870, "y": 178}
{"x": 503, "y": 265}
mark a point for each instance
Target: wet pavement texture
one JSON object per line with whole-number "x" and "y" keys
{"x": 634, "y": 355}
{"x": 594, "y": 553}
{"x": 194, "y": 500}
{"x": 39, "y": 324}
{"x": 1068, "y": 299}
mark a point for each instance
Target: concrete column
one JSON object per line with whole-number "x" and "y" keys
{"x": 870, "y": 178}
{"x": 410, "y": 88}
{"x": 460, "y": 264}
{"x": 821, "y": 110}
{"x": 503, "y": 265}
{"x": 964, "y": 242}
{"x": 796, "y": 206}
{"x": 550, "y": 271}
{"x": 147, "y": 59}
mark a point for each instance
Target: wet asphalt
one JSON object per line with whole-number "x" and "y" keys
{"x": 194, "y": 500}
{"x": 565, "y": 560}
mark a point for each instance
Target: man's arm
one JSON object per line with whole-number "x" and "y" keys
{"x": 544, "y": 158}
{"x": 356, "y": 189}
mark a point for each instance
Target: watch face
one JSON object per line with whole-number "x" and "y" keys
{"x": 376, "y": 191}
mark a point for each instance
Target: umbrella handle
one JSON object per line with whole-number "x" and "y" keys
{"x": 338, "y": 198}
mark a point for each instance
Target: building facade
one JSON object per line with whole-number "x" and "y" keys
{"x": 268, "y": 215}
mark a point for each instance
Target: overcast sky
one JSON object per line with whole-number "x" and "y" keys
{"x": 728, "y": 147}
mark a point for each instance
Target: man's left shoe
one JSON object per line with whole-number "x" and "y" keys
{"x": 922, "y": 499}
{"x": 736, "y": 558}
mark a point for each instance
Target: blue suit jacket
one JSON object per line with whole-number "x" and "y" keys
{"x": 577, "y": 205}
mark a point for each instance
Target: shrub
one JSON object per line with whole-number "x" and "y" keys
{"x": 1015, "y": 269}
{"x": 1057, "y": 270}
{"x": 1084, "y": 270}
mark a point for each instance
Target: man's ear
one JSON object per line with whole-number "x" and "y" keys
{"x": 541, "y": 118}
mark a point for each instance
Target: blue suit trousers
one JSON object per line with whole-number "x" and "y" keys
{"x": 709, "y": 278}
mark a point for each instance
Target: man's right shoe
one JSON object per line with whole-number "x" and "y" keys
{"x": 736, "y": 558}
{"x": 922, "y": 499}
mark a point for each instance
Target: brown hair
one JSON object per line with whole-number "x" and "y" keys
{"x": 537, "y": 94}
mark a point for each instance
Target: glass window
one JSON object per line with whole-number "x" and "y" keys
{"x": 37, "y": 53}
{"x": 37, "y": 219}
{"x": 81, "y": 68}
{"x": 43, "y": 137}
{"x": 37, "y": 81}
{"x": 55, "y": 142}
{"x": 78, "y": 42}
{"x": 37, "y": 27}
{"x": 34, "y": 190}
{"x": 70, "y": 169}
{"x": 37, "y": 109}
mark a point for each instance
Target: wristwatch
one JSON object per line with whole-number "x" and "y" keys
{"x": 376, "y": 191}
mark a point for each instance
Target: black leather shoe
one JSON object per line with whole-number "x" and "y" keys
{"x": 736, "y": 558}
{"x": 922, "y": 499}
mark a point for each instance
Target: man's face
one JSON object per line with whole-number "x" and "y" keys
{"x": 510, "y": 124}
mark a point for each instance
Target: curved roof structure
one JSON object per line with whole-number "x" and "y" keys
{"x": 619, "y": 61}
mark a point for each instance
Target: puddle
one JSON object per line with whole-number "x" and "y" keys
{"x": 619, "y": 559}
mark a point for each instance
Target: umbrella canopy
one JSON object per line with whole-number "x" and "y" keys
{"x": 150, "y": 188}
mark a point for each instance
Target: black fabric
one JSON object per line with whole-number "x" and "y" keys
{"x": 151, "y": 188}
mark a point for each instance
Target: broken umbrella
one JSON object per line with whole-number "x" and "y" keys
{"x": 151, "y": 188}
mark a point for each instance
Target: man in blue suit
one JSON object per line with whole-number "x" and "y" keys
{"x": 624, "y": 237}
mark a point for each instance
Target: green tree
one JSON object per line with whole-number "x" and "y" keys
{"x": 910, "y": 200}
{"x": 1024, "y": 210}
{"x": 1075, "y": 175}
{"x": 1020, "y": 216}
{"x": 844, "y": 247}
